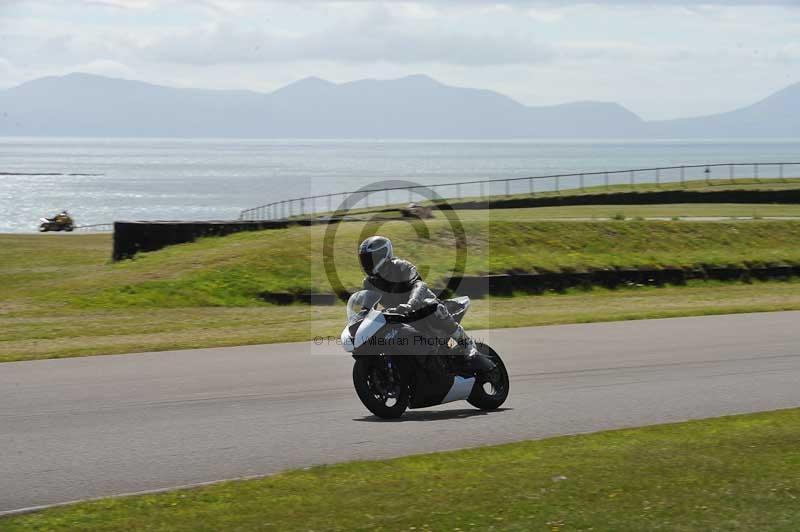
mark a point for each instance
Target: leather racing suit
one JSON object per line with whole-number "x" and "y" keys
{"x": 399, "y": 283}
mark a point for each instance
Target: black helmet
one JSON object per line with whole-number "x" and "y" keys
{"x": 373, "y": 252}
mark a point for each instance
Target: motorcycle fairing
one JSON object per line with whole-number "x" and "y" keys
{"x": 429, "y": 387}
{"x": 460, "y": 390}
{"x": 373, "y": 322}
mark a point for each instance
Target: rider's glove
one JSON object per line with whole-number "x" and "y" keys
{"x": 403, "y": 309}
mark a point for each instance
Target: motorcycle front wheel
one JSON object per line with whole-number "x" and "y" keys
{"x": 491, "y": 389}
{"x": 380, "y": 386}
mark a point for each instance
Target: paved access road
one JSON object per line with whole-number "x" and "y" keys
{"x": 88, "y": 427}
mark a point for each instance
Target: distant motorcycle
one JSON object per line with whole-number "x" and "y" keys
{"x": 56, "y": 224}
{"x": 388, "y": 381}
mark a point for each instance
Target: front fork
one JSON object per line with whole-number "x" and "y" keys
{"x": 393, "y": 385}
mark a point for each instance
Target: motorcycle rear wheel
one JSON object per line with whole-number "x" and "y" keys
{"x": 491, "y": 389}
{"x": 371, "y": 379}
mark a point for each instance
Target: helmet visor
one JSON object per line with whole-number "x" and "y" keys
{"x": 368, "y": 262}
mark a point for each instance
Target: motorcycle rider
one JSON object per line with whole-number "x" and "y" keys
{"x": 62, "y": 218}
{"x": 402, "y": 287}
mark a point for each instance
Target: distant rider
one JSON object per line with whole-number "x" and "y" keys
{"x": 402, "y": 287}
{"x": 62, "y": 218}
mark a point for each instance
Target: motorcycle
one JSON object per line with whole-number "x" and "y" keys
{"x": 51, "y": 224}
{"x": 390, "y": 376}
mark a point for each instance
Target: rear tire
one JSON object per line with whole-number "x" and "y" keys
{"x": 491, "y": 389}
{"x": 385, "y": 400}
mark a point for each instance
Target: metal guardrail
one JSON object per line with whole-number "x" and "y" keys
{"x": 532, "y": 185}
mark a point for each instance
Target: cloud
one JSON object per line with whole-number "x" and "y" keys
{"x": 378, "y": 36}
{"x": 107, "y": 67}
{"x": 7, "y": 69}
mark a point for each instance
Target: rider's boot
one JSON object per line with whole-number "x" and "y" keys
{"x": 473, "y": 362}
{"x": 470, "y": 349}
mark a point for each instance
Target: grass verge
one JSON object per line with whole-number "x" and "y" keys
{"x": 601, "y": 212}
{"x": 570, "y": 187}
{"x": 35, "y": 334}
{"x": 730, "y": 473}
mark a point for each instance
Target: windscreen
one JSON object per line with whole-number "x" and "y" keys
{"x": 364, "y": 299}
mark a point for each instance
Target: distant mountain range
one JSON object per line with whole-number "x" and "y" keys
{"x": 411, "y": 107}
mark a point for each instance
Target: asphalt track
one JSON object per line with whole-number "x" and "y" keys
{"x": 89, "y": 427}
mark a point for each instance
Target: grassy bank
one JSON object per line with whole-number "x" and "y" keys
{"x": 74, "y": 272}
{"x": 732, "y": 473}
{"x": 61, "y": 296}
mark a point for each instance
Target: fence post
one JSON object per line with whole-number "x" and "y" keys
{"x": 755, "y": 172}
{"x": 780, "y": 171}
{"x": 707, "y": 171}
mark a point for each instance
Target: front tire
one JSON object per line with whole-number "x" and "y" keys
{"x": 380, "y": 386}
{"x": 491, "y": 389}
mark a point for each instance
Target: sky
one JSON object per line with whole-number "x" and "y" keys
{"x": 660, "y": 59}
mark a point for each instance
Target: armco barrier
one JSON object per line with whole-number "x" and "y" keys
{"x": 133, "y": 237}
{"x": 478, "y": 287}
